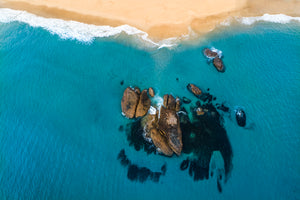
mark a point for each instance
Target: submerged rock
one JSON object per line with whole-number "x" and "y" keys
{"x": 186, "y": 100}
{"x": 163, "y": 169}
{"x": 184, "y": 165}
{"x": 123, "y": 158}
{"x": 223, "y": 108}
{"x": 200, "y": 111}
{"x": 240, "y": 117}
{"x": 218, "y": 63}
{"x": 160, "y": 142}
{"x": 209, "y": 53}
{"x": 169, "y": 124}
{"x": 151, "y": 92}
{"x": 194, "y": 89}
{"x": 143, "y": 105}
{"x": 129, "y": 102}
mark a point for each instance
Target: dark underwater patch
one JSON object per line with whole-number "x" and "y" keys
{"x": 134, "y": 132}
{"x": 140, "y": 174}
{"x": 185, "y": 164}
{"x": 201, "y": 136}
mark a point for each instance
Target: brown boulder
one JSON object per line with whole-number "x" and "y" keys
{"x": 209, "y": 53}
{"x": 129, "y": 102}
{"x": 169, "y": 124}
{"x": 194, "y": 89}
{"x": 218, "y": 63}
{"x": 160, "y": 142}
{"x": 151, "y": 92}
{"x": 171, "y": 103}
{"x": 143, "y": 105}
{"x": 166, "y": 97}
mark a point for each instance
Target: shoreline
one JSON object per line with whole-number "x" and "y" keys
{"x": 177, "y": 20}
{"x": 87, "y": 33}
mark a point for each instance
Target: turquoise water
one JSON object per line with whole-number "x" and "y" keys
{"x": 60, "y": 113}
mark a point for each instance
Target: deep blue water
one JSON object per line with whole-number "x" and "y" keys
{"x": 60, "y": 113}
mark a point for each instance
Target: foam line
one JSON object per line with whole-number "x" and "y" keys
{"x": 78, "y": 31}
{"x": 275, "y": 18}
{"x": 87, "y": 32}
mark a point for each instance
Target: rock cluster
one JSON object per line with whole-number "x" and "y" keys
{"x": 162, "y": 126}
{"x": 135, "y": 103}
{"x": 165, "y": 130}
{"x": 217, "y": 62}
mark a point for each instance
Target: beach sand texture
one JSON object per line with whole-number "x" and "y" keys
{"x": 160, "y": 18}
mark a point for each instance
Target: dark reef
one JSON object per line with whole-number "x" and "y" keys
{"x": 202, "y": 134}
{"x": 186, "y": 100}
{"x": 185, "y": 164}
{"x": 134, "y": 132}
{"x": 140, "y": 174}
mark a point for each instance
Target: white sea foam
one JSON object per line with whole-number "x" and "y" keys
{"x": 158, "y": 102}
{"x": 219, "y": 52}
{"x": 152, "y": 110}
{"x": 278, "y": 18}
{"x": 87, "y": 33}
{"x": 274, "y": 18}
{"x": 79, "y": 31}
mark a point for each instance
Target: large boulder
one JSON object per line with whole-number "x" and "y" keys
{"x": 169, "y": 124}
{"x": 160, "y": 142}
{"x": 194, "y": 89}
{"x": 209, "y": 53}
{"x": 143, "y": 105}
{"x": 218, "y": 63}
{"x": 171, "y": 102}
{"x": 129, "y": 102}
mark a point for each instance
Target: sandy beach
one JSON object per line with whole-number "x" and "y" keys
{"x": 161, "y": 19}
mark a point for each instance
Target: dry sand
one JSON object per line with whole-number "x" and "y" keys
{"x": 160, "y": 18}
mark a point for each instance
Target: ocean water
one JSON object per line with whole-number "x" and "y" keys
{"x": 60, "y": 112}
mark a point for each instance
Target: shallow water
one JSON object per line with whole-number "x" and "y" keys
{"x": 60, "y": 113}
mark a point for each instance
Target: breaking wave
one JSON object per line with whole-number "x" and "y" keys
{"x": 87, "y": 32}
